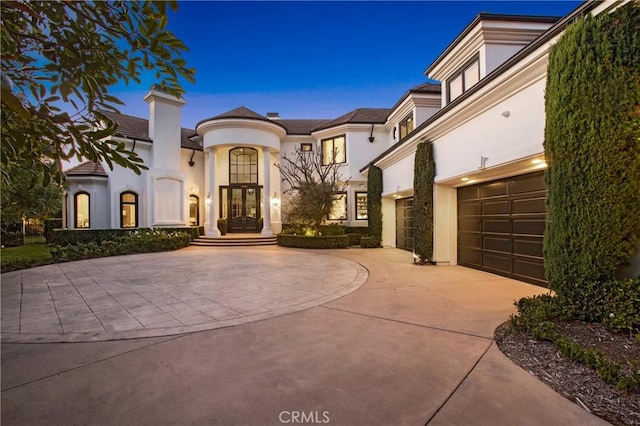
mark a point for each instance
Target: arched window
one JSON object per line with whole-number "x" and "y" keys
{"x": 194, "y": 210}
{"x": 128, "y": 210}
{"x": 81, "y": 210}
{"x": 243, "y": 166}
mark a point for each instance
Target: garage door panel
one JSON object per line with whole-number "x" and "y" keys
{"x": 404, "y": 224}
{"x": 496, "y": 207}
{"x": 529, "y": 226}
{"x": 502, "y": 226}
{"x": 496, "y": 262}
{"x": 470, "y": 225}
{"x": 497, "y": 244}
{"x": 528, "y": 183}
{"x": 528, "y": 247}
{"x": 529, "y": 205}
{"x": 470, "y": 257}
{"x": 468, "y": 193}
{"x": 528, "y": 268}
{"x": 511, "y": 224}
{"x": 469, "y": 209}
{"x": 470, "y": 239}
{"x": 494, "y": 189}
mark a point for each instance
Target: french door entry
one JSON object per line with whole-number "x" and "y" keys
{"x": 243, "y": 208}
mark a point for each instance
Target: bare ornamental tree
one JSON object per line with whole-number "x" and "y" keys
{"x": 313, "y": 187}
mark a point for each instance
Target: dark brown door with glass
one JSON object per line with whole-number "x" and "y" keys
{"x": 244, "y": 208}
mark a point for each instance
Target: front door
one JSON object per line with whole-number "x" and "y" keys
{"x": 244, "y": 208}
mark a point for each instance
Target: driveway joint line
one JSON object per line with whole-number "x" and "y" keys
{"x": 53, "y": 302}
{"x": 168, "y": 339}
{"x": 453, "y": 392}
{"x": 408, "y": 323}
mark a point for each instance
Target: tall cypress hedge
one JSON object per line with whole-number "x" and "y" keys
{"x": 374, "y": 202}
{"x": 592, "y": 145}
{"x": 424, "y": 171}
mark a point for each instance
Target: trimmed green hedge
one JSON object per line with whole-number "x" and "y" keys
{"x": 369, "y": 242}
{"x": 374, "y": 201}
{"x": 320, "y": 242}
{"x": 592, "y": 146}
{"x": 423, "y": 176}
{"x": 142, "y": 241}
{"x": 64, "y": 237}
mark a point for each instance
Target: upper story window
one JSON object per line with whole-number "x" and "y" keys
{"x": 406, "y": 126}
{"x": 334, "y": 150}
{"x": 464, "y": 79}
{"x": 243, "y": 165}
{"x": 81, "y": 204}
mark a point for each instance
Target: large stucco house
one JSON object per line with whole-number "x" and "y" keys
{"x": 485, "y": 118}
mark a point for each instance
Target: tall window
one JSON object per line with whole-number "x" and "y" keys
{"x": 334, "y": 150}
{"x": 406, "y": 126}
{"x": 128, "y": 210}
{"x": 194, "y": 210}
{"x": 339, "y": 208}
{"x": 463, "y": 79}
{"x": 361, "y": 206}
{"x": 243, "y": 165}
{"x": 81, "y": 210}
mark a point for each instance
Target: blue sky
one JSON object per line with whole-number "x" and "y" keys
{"x": 314, "y": 59}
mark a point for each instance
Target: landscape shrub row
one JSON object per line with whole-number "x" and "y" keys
{"x": 139, "y": 241}
{"x": 618, "y": 310}
{"x": 64, "y": 237}
{"x": 319, "y": 242}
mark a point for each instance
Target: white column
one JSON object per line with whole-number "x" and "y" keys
{"x": 213, "y": 199}
{"x": 266, "y": 192}
{"x": 65, "y": 225}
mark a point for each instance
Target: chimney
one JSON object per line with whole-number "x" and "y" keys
{"x": 273, "y": 116}
{"x": 164, "y": 127}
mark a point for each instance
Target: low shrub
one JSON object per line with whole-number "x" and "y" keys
{"x": 332, "y": 229}
{"x": 12, "y": 239}
{"x": 369, "y": 241}
{"x": 140, "y": 241}
{"x": 536, "y": 317}
{"x": 49, "y": 226}
{"x": 319, "y": 242}
{"x": 64, "y": 237}
{"x": 354, "y": 239}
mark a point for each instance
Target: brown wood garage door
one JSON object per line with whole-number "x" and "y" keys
{"x": 500, "y": 227}
{"x": 404, "y": 224}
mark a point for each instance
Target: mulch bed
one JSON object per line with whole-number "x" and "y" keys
{"x": 576, "y": 381}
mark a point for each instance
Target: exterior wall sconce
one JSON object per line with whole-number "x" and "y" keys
{"x": 275, "y": 201}
{"x": 191, "y": 162}
{"x": 483, "y": 162}
{"x": 207, "y": 200}
{"x": 371, "y": 137}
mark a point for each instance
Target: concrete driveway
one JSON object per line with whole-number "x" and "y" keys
{"x": 413, "y": 346}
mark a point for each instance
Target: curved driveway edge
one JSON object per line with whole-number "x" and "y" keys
{"x": 171, "y": 293}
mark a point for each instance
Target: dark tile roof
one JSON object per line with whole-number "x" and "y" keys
{"x": 138, "y": 128}
{"x": 242, "y": 113}
{"x": 427, "y": 88}
{"x": 360, "y": 115}
{"x": 130, "y": 127}
{"x": 301, "y": 126}
{"x": 87, "y": 169}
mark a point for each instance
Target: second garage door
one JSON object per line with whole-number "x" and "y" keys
{"x": 500, "y": 227}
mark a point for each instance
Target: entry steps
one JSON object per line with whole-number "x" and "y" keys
{"x": 236, "y": 240}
